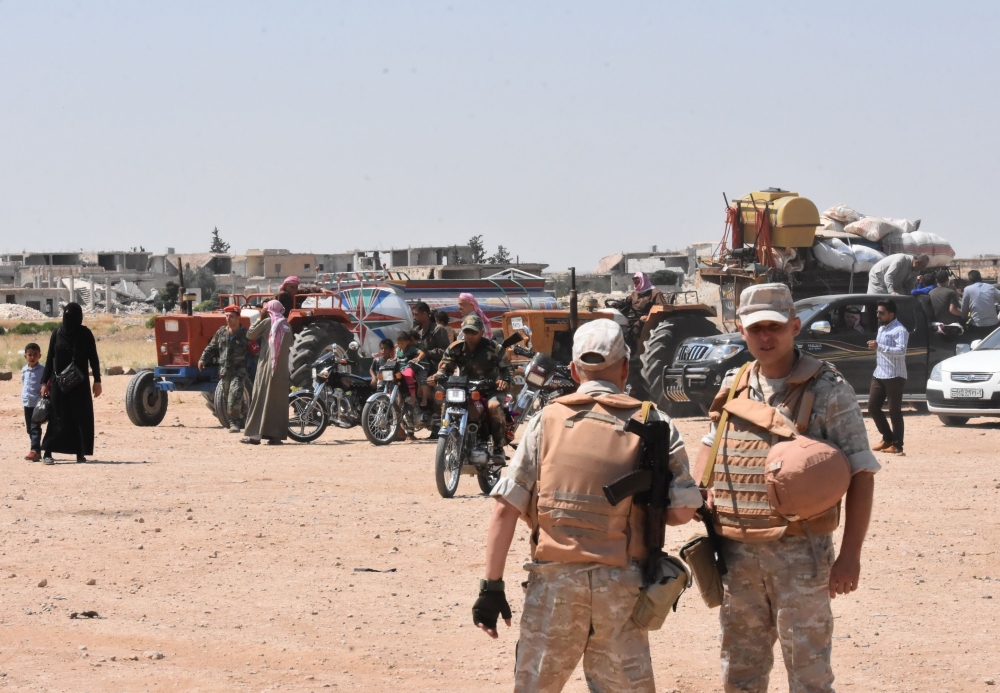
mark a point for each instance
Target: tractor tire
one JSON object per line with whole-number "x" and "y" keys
{"x": 221, "y": 396}
{"x": 209, "y": 401}
{"x": 144, "y": 403}
{"x": 659, "y": 355}
{"x": 309, "y": 343}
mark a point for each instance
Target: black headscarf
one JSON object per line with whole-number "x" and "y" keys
{"x": 72, "y": 319}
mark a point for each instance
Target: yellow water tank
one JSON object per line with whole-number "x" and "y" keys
{"x": 793, "y": 218}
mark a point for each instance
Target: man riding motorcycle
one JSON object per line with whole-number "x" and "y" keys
{"x": 480, "y": 359}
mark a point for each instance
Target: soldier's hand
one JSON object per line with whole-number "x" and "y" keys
{"x": 491, "y": 604}
{"x": 502, "y": 385}
{"x": 844, "y": 575}
{"x": 201, "y": 366}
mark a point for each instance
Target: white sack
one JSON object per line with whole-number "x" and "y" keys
{"x": 920, "y": 243}
{"x": 837, "y": 255}
{"x": 877, "y": 228}
{"x": 842, "y": 213}
{"x": 830, "y": 224}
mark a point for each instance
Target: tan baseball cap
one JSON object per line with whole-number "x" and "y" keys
{"x": 765, "y": 302}
{"x": 598, "y": 344}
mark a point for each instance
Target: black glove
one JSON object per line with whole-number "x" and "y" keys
{"x": 491, "y": 603}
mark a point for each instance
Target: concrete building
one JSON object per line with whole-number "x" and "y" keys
{"x": 669, "y": 267}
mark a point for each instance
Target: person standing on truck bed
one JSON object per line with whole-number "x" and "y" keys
{"x": 889, "y": 379}
{"x": 945, "y": 300}
{"x": 979, "y": 305}
{"x": 228, "y": 348}
{"x": 781, "y": 571}
{"x": 896, "y": 274}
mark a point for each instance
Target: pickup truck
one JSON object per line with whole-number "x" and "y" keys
{"x": 700, "y": 363}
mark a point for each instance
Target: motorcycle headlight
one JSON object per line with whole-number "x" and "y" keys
{"x": 455, "y": 396}
{"x": 388, "y": 376}
{"x": 936, "y": 372}
{"x": 723, "y": 351}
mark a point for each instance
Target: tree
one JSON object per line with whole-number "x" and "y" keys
{"x": 167, "y": 299}
{"x": 502, "y": 257}
{"x": 478, "y": 250}
{"x": 218, "y": 245}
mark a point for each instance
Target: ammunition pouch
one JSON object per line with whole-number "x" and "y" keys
{"x": 670, "y": 577}
{"x": 699, "y": 554}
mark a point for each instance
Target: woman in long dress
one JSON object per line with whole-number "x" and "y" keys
{"x": 71, "y": 424}
{"x": 269, "y": 405}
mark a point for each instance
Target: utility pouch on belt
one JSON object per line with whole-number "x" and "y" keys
{"x": 670, "y": 577}
{"x": 699, "y": 554}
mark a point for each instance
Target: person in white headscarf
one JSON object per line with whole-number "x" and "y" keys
{"x": 637, "y": 306}
{"x": 268, "y": 418}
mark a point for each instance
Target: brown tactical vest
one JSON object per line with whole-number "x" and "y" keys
{"x": 584, "y": 448}
{"x": 743, "y": 511}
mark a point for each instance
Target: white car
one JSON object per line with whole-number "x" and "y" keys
{"x": 967, "y": 385}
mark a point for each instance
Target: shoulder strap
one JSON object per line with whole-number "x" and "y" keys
{"x": 706, "y": 478}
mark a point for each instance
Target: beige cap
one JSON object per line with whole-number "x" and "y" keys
{"x": 598, "y": 344}
{"x": 765, "y": 302}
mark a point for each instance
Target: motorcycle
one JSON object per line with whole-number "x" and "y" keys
{"x": 337, "y": 397}
{"x": 464, "y": 439}
{"x": 391, "y": 408}
{"x": 544, "y": 381}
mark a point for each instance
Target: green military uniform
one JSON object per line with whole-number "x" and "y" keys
{"x": 487, "y": 362}
{"x": 229, "y": 351}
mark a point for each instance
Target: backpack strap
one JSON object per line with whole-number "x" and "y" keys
{"x": 720, "y": 426}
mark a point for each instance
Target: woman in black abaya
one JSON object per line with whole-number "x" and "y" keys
{"x": 71, "y": 423}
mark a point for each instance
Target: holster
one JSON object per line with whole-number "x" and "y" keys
{"x": 670, "y": 577}
{"x": 699, "y": 554}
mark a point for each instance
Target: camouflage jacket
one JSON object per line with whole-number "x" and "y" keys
{"x": 228, "y": 351}
{"x": 487, "y": 362}
{"x": 433, "y": 342}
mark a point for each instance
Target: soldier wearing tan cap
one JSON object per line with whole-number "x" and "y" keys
{"x": 781, "y": 571}
{"x": 585, "y": 575}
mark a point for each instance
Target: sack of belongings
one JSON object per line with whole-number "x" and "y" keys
{"x": 841, "y": 213}
{"x": 877, "y": 228}
{"x": 838, "y": 255}
{"x": 934, "y": 246}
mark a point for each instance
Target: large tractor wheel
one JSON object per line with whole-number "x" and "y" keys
{"x": 308, "y": 345}
{"x": 659, "y": 355}
{"x": 145, "y": 404}
{"x": 221, "y": 397}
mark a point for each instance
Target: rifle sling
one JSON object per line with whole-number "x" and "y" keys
{"x": 720, "y": 428}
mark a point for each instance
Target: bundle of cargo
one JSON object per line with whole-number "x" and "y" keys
{"x": 932, "y": 245}
{"x": 837, "y": 254}
{"x": 877, "y": 228}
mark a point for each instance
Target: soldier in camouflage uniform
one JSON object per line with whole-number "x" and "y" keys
{"x": 779, "y": 588}
{"x": 228, "y": 348}
{"x": 480, "y": 359}
{"x": 581, "y": 594}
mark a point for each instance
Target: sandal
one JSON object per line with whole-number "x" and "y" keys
{"x": 247, "y": 440}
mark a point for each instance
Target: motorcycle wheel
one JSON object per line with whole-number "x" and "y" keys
{"x": 487, "y": 479}
{"x": 306, "y": 419}
{"x": 448, "y": 464}
{"x": 380, "y": 420}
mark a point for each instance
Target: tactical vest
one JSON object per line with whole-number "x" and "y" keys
{"x": 584, "y": 448}
{"x": 743, "y": 511}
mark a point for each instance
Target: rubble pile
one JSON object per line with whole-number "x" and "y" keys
{"x": 13, "y": 311}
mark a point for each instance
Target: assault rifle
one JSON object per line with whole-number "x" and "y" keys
{"x": 650, "y": 484}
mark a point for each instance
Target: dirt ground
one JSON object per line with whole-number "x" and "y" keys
{"x": 240, "y": 566}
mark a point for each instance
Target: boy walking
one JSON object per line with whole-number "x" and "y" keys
{"x": 31, "y": 392}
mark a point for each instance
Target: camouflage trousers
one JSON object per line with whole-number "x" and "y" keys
{"x": 776, "y": 591}
{"x": 582, "y": 610}
{"x": 234, "y": 395}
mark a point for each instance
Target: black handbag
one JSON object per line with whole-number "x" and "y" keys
{"x": 42, "y": 409}
{"x": 70, "y": 376}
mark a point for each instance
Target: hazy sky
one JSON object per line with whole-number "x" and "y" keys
{"x": 565, "y": 131}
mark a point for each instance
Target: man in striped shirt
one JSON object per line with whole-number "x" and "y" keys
{"x": 889, "y": 377}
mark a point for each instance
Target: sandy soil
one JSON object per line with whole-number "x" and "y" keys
{"x": 238, "y": 564}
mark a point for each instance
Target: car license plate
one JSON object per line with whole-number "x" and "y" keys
{"x": 966, "y": 393}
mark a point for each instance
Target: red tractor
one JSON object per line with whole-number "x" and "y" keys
{"x": 181, "y": 338}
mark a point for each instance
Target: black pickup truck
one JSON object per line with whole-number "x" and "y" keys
{"x": 700, "y": 363}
